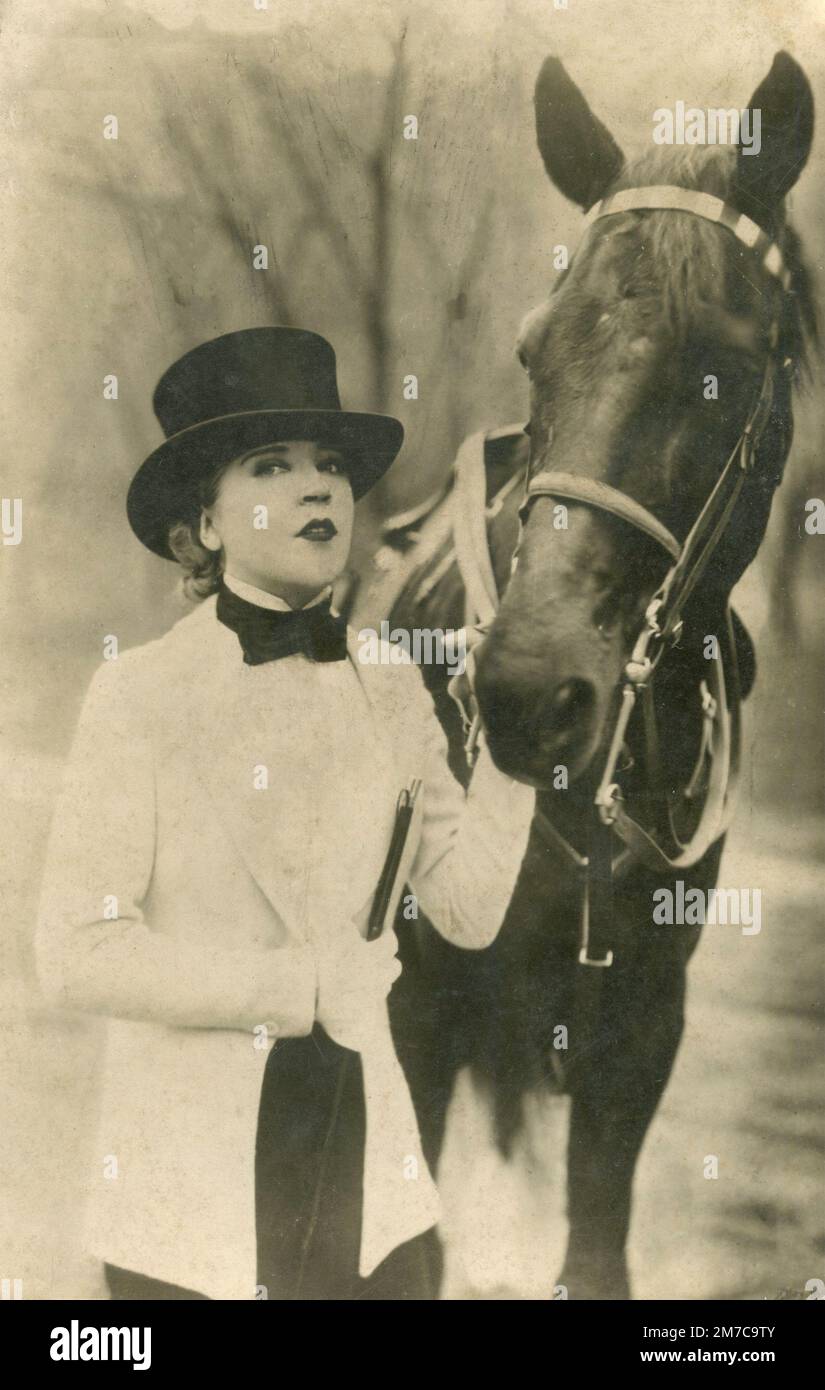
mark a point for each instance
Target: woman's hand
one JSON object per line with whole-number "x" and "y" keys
{"x": 354, "y": 978}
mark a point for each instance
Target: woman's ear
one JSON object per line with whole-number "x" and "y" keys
{"x": 207, "y": 533}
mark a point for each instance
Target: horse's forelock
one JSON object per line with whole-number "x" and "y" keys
{"x": 692, "y": 255}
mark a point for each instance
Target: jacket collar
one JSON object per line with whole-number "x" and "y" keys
{"x": 263, "y": 599}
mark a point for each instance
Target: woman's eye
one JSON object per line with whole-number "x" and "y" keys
{"x": 332, "y": 466}
{"x": 267, "y": 466}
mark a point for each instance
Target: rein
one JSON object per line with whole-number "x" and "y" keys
{"x": 720, "y": 739}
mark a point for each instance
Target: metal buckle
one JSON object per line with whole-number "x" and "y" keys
{"x": 471, "y": 735}
{"x": 639, "y": 672}
{"x": 655, "y": 627}
{"x": 606, "y": 801}
{"x": 584, "y": 959}
{"x": 652, "y": 616}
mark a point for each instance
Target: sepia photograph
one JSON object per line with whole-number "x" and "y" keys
{"x": 413, "y": 536}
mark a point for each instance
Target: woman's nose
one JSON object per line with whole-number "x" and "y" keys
{"x": 318, "y": 491}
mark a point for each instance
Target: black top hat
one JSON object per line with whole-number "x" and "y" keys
{"x": 239, "y": 392}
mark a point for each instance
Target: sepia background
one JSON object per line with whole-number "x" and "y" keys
{"x": 282, "y": 127}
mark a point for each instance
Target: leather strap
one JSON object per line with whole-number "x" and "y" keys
{"x": 711, "y": 523}
{"x": 594, "y": 493}
{"x": 719, "y": 801}
{"x": 470, "y": 530}
{"x": 470, "y": 515}
{"x": 670, "y": 198}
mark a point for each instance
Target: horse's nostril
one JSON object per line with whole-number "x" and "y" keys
{"x": 572, "y": 702}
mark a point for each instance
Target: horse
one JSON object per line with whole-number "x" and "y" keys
{"x": 688, "y": 272}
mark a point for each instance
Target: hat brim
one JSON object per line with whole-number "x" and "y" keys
{"x": 165, "y": 486}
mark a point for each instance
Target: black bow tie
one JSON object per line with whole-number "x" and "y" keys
{"x": 265, "y": 634}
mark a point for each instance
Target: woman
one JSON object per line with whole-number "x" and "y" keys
{"x": 227, "y": 808}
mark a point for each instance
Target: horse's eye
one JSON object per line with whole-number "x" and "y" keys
{"x": 639, "y": 287}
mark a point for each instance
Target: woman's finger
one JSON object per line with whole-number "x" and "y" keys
{"x": 384, "y": 945}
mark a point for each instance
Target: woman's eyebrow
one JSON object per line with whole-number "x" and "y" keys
{"x": 266, "y": 452}
{"x": 280, "y": 451}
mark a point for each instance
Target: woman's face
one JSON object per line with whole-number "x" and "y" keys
{"x": 284, "y": 516}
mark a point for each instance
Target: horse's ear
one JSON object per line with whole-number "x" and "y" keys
{"x": 766, "y": 172}
{"x": 579, "y": 153}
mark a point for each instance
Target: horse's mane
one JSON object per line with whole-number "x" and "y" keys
{"x": 694, "y": 254}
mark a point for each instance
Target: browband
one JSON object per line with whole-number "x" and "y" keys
{"x": 670, "y": 198}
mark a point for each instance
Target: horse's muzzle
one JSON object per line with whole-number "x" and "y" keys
{"x": 532, "y": 728}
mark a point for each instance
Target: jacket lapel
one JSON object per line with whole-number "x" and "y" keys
{"x": 222, "y": 750}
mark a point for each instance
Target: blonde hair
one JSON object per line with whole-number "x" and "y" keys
{"x": 202, "y": 568}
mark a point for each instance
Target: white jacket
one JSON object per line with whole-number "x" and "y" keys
{"x": 171, "y": 904}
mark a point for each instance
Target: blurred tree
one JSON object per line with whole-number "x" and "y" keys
{"x": 413, "y": 256}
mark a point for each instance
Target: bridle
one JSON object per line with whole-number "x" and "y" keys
{"x": 664, "y": 615}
